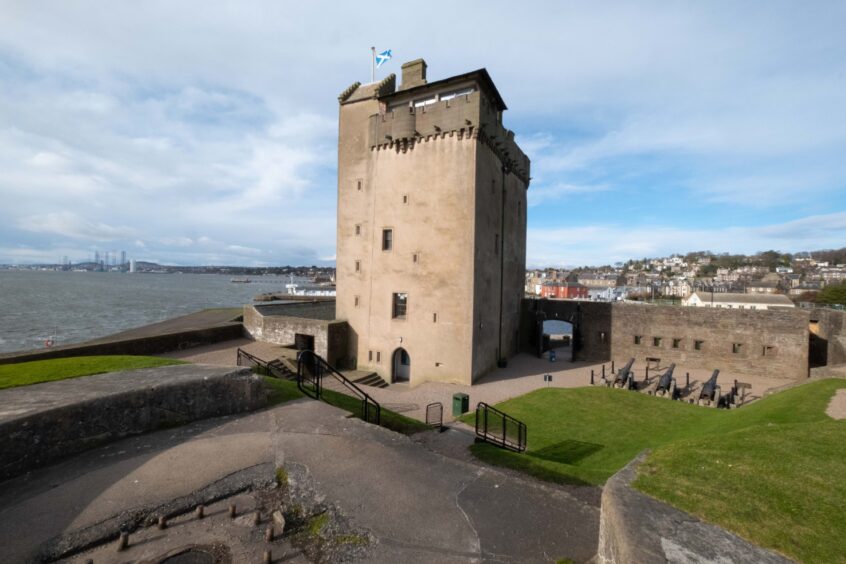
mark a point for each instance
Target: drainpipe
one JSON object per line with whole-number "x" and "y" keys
{"x": 502, "y": 362}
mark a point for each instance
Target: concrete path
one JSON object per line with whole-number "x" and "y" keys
{"x": 837, "y": 406}
{"x": 420, "y": 506}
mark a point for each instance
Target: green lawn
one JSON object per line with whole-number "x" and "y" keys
{"x": 773, "y": 471}
{"x": 27, "y": 373}
{"x": 286, "y": 390}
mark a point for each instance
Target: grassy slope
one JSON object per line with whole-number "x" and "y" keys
{"x": 285, "y": 390}
{"x": 26, "y": 373}
{"x": 786, "y": 485}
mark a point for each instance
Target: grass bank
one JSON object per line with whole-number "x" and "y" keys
{"x": 35, "y": 372}
{"x": 286, "y": 390}
{"x": 772, "y": 471}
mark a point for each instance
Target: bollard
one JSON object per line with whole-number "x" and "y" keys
{"x": 232, "y": 511}
{"x": 591, "y": 376}
{"x": 612, "y": 367}
{"x": 687, "y": 380}
{"x": 200, "y": 512}
{"x": 268, "y": 557}
{"x": 123, "y": 541}
{"x": 268, "y": 534}
{"x": 603, "y": 370}
{"x": 162, "y": 522}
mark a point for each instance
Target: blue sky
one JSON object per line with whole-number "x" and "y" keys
{"x": 190, "y": 133}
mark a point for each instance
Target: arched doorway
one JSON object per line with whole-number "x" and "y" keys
{"x": 401, "y": 366}
{"x": 558, "y": 336}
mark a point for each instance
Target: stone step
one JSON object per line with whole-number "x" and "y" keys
{"x": 373, "y": 380}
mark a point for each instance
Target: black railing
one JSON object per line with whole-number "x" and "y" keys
{"x": 312, "y": 370}
{"x": 499, "y": 428}
{"x": 259, "y": 366}
{"x": 435, "y": 415}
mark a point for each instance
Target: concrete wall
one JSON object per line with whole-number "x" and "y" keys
{"x": 784, "y": 330}
{"x": 330, "y": 336}
{"x": 634, "y": 527}
{"x": 151, "y": 345}
{"x": 46, "y": 422}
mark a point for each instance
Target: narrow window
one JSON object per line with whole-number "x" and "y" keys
{"x": 370, "y": 356}
{"x": 637, "y": 339}
{"x": 378, "y": 356}
{"x": 697, "y": 345}
{"x": 400, "y": 304}
{"x": 656, "y": 341}
{"x": 358, "y": 185}
{"x": 434, "y": 318}
{"x": 736, "y": 348}
{"x": 358, "y": 266}
{"x": 676, "y": 343}
{"x": 358, "y": 229}
{"x": 357, "y": 301}
{"x": 405, "y": 198}
{"x": 387, "y": 239}
{"x": 415, "y": 258}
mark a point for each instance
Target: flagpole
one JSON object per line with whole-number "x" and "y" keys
{"x": 373, "y": 64}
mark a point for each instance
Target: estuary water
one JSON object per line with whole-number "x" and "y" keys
{"x": 78, "y": 306}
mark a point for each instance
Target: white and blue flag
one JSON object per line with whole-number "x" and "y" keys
{"x": 383, "y": 58}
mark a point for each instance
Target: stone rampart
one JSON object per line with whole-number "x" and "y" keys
{"x": 43, "y": 423}
{"x": 634, "y": 527}
{"x": 148, "y": 345}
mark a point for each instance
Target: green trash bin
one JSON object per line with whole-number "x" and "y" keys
{"x": 460, "y": 404}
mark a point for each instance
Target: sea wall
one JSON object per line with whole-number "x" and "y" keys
{"x": 44, "y": 423}
{"x": 148, "y": 345}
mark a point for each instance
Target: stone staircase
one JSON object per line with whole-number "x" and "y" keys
{"x": 372, "y": 379}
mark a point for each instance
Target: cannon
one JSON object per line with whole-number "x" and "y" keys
{"x": 625, "y": 376}
{"x": 710, "y": 393}
{"x": 667, "y": 384}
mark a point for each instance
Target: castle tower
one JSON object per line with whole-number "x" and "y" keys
{"x": 431, "y": 227}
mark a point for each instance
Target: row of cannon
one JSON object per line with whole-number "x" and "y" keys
{"x": 709, "y": 394}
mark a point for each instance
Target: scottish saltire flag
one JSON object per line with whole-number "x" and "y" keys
{"x": 383, "y": 58}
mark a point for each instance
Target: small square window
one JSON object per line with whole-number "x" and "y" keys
{"x": 676, "y": 343}
{"x": 387, "y": 239}
{"x": 637, "y": 339}
{"x": 656, "y": 341}
{"x": 358, "y": 229}
{"x": 697, "y": 345}
{"x": 736, "y": 348}
{"x": 768, "y": 350}
{"x": 358, "y": 266}
{"x": 399, "y": 306}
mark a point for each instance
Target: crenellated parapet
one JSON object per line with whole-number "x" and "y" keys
{"x": 348, "y": 92}
{"x": 464, "y": 117}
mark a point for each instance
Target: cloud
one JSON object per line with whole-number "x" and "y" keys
{"x": 68, "y": 224}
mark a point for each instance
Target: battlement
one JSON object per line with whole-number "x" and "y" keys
{"x": 469, "y": 116}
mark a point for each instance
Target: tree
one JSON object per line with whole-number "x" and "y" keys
{"x": 833, "y": 294}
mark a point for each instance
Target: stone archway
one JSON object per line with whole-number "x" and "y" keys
{"x": 400, "y": 366}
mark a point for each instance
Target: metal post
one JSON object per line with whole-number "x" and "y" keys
{"x": 603, "y": 371}
{"x": 612, "y": 367}
{"x": 591, "y": 376}
{"x": 687, "y": 380}
{"x": 373, "y": 64}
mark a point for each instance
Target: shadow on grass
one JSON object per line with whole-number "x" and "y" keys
{"x": 566, "y": 452}
{"x": 526, "y": 462}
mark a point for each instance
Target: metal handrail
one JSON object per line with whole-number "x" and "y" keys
{"x": 497, "y": 434}
{"x": 313, "y": 384}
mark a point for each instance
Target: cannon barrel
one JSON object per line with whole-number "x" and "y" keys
{"x": 623, "y": 373}
{"x": 709, "y": 386}
{"x": 666, "y": 379}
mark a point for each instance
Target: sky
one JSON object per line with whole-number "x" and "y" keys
{"x": 206, "y": 133}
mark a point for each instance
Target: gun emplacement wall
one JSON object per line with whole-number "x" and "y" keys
{"x": 762, "y": 343}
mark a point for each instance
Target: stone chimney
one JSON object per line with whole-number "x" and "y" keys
{"x": 413, "y": 74}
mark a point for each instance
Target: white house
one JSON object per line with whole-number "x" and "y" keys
{"x": 737, "y": 301}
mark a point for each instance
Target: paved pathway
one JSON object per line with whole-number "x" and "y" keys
{"x": 421, "y": 506}
{"x": 837, "y": 406}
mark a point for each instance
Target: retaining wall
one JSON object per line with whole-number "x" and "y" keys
{"x": 46, "y": 422}
{"x": 634, "y": 527}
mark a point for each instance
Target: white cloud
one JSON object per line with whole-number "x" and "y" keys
{"x": 69, "y": 224}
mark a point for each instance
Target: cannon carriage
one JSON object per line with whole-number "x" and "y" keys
{"x": 709, "y": 395}
{"x": 667, "y": 384}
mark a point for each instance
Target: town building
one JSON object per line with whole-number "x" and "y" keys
{"x": 729, "y": 300}
{"x": 431, "y": 243}
{"x": 568, "y": 289}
